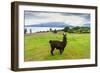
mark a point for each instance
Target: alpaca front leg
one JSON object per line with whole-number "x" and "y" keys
{"x": 52, "y": 51}
{"x": 60, "y": 51}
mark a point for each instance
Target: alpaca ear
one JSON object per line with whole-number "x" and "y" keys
{"x": 64, "y": 33}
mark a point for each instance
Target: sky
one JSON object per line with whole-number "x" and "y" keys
{"x": 73, "y": 19}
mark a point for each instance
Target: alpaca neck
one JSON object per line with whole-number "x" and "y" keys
{"x": 64, "y": 39}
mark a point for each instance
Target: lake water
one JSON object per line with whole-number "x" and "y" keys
{"x": 38, "y": 29}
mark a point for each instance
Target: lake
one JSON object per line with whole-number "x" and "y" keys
{"x": 38, "y": 29}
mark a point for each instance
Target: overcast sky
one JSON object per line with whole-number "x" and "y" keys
{"x": 74, "y": 19}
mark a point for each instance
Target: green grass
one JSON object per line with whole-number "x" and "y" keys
{"x": 37, "y": 47}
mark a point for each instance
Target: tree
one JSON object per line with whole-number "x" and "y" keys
{"x": 66, "y": 29}
{"x": 30, "y": 31}
{"x": 25, "y": 30}
{"x": 50, "y": 29}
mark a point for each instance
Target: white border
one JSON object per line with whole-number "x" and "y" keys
{"x": 34, "y": 64}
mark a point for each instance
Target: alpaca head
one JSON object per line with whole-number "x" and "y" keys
{"x": 64, "y": 34}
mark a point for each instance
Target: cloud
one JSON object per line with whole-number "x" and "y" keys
{"x": 73, "y": 19}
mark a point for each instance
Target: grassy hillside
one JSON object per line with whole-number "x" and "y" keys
{"x": 37, "y": 47}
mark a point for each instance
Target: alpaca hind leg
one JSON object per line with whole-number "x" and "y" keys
{"x": 62, "y": 50}
{"x": 52, "y": 49}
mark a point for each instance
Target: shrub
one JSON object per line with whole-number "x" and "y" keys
{"x": 55, "y": 31}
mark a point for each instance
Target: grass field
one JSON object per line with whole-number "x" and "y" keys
{"x": 37, "y": 47}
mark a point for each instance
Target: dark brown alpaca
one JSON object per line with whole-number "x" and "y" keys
{"x": 60, "y": 45}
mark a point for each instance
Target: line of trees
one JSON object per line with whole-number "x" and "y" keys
{"x": 67, "y": 29}
{"x": 77, "y": 29}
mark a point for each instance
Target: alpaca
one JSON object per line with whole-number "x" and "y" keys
{"x": 60, "y": 45}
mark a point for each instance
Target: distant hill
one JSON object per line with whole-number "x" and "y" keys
{"x": 86, "y": 25}
{"x": 49, "y": 24}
